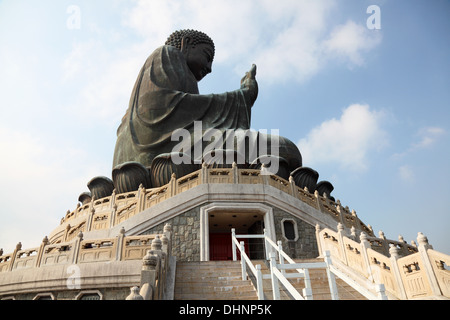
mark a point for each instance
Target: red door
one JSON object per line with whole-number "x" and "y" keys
{"x": 220, "y": 246}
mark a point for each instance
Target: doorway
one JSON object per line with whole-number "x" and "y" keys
{"x": 220, "y": 225}
{"x": 218, "y": 218}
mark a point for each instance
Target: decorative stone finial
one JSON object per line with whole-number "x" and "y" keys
{"x": 167, "y": 227}
{"x": 422, "y": 239}
{"x": 45, "y": 240}
{"x": 353, "y": 231}
{"x": 156, "y": 243}
{"x": 150, "y": 260}
{"x": 122, "y": 230}
{"x": 393, "y": 251}
{"x": 381, "y": 235}
{"x": 134, "y": 295}
{"x": 363, "y": 236}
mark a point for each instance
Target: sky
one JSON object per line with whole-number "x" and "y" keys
{"x": 361, "y": 86}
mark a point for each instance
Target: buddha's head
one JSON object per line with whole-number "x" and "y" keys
{"x": 197, "y": 48}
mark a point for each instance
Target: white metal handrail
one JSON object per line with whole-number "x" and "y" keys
{"x": 278, "y": 271}
{"x": 245, "y": 260}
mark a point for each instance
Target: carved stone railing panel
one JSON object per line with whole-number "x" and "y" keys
{"x": 412, "y": 271}
{"x": 97, "y": 250}
{"x": 440, "y": 263}
{"x": 382, "y": 271}
{"x": 25, "y": 258}
{"x": 136, "y": 247}
{"x": 59, "y": 253}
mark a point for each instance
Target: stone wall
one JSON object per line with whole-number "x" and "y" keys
{"x": 305, "y": 246}
{"x": 185, "y": 233}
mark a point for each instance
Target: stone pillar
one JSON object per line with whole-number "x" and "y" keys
{"x": 365, "y": 244}
{"x": 394, "y": 252}
{"x": 14, "y": 255}
{"x": 150, "y": 264}
{"x": 41, "y": 251}
{"x": 340, "y": 228}
{"x": 423, "y": 246}
{"x": 76, "y": 247}
{"x": 120, "y": 244}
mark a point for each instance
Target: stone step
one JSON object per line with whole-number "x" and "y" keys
{"x": 319, "y": 284}
{"x": 213, "y": 280}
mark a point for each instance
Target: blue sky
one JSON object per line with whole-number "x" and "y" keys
{"x": 368, "y": 108}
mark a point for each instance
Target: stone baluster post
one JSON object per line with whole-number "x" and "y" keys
{"x": 365, "y": 244}
{"x": 204, "y": 173}
{"x": 173, "y": 185}
{"x": 150, "y": 264}
{"x": 319, "y": 240}
{"x": 112, "y": 218}
{"x": 76, "y": 247}
{"x": 341, "y": 234}
{"x": 14, "y": 255}
{"x": 235, "y": 171}
{"x": 140, "y": 202}
{"x": 423, "y": 246}
{"x": 168, "y": 233}
{"x": 339, "y": 210}
{"x": 41, "y": 252}
{"x": 292, "y": 187}
{"x": 90, "y": 218}
{"x": 157, "y": 249}
{"x": 120, "y": 244}
{"x": 394, "y": 253}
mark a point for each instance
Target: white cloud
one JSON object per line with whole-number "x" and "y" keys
{"x": 425, "y": 137}
{"x": 406, "y": 173}
{"x": 288, "y": 40}
{"x": 39, "y": 183}
{"x": 347, "y": 141}
{"x": 428, "y": 136}
{"x": 350, "y": 41}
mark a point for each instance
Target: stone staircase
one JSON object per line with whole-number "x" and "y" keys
{"x": 212, "y": 280}
{"x": 221, "y": 280}
{"x": 319, "y": 284}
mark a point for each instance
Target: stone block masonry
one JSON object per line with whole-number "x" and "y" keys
{"x": 186, "y": 235}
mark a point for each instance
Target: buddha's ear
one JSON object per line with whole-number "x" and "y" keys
{"x": 185, "y": 42}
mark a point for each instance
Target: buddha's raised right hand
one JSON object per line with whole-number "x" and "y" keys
{"x": 249, "y": 84}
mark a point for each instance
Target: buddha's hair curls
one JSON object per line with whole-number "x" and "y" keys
{"x": 197, "y": 37}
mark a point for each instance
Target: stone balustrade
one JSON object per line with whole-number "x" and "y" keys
{"x": 407, "y": 271}
{"x": 120, "y": 248}
{"x": 112, "y": 210}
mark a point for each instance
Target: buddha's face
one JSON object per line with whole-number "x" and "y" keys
{"x": 199, "y": 59}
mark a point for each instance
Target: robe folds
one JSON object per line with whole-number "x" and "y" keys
{"x": 165, "y": 98}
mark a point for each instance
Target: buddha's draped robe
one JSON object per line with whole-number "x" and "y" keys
{"x": 165, "y": 98}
